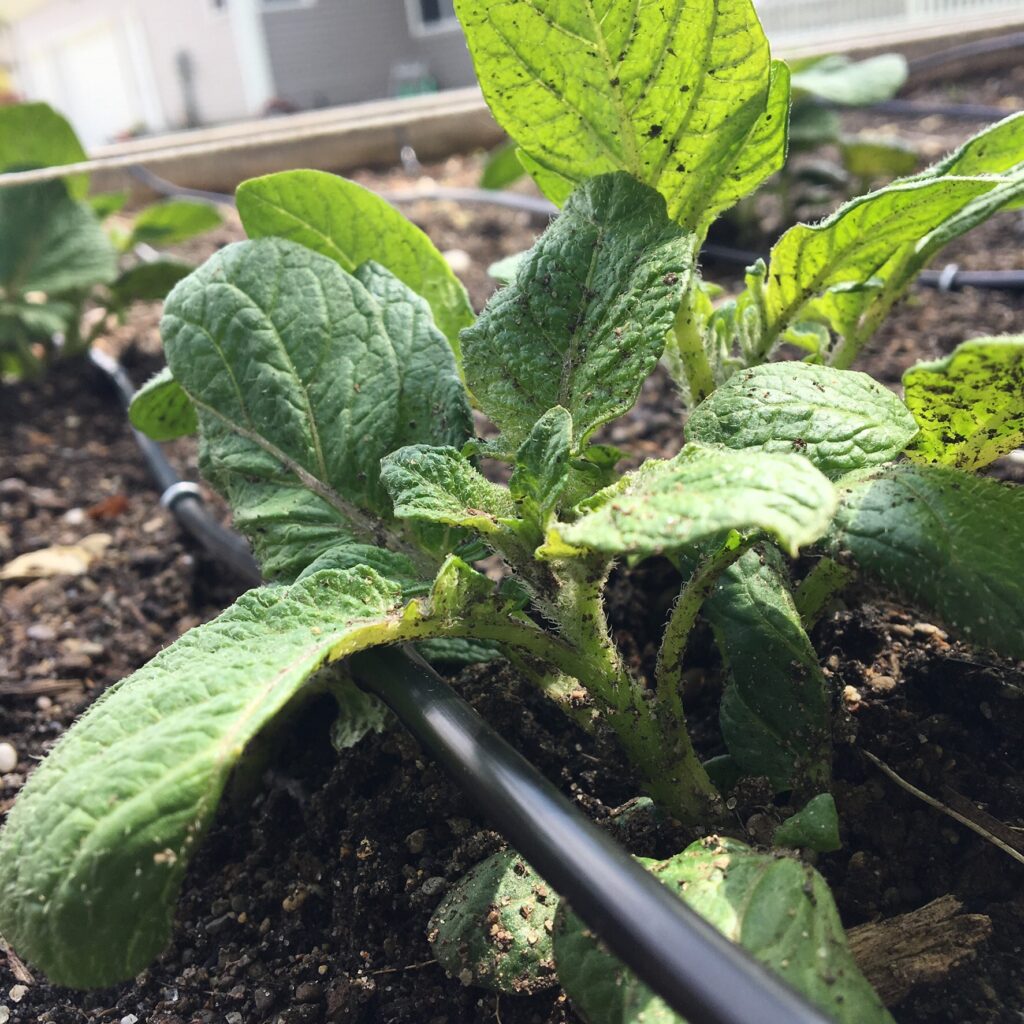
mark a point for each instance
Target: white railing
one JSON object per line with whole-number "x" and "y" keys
{"x": 798, "y": 20}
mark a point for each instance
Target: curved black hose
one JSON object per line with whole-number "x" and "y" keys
{"x": 181, "y": 497}
{"x": 699, "y": 972}
{"x": 691, "y": 965}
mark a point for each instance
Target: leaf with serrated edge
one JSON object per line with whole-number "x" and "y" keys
{"x": 857, "y": 241}
{"x": 349, "y": 224}
{"x": 304, "y": 378}
{"x": 775, "y": 907}
{"x": 586, "y": 319}
{"x": 438, "y": 485}
{"x": 970, "y": 405}
{"x": 949, "y": 543}
{"x": 162, "y": 410}
{"x": 50, "y": 242}
{"x": 840, "y": 420}
{"x": 775, "y": 711}
{"x": 699, "y": 494}
{"x": 667, "y": 91}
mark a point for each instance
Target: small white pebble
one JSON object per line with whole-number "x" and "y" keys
{"x": 74, "y": 516}
{"x": 130, "y": 1019}
{"x": 8, "y": 758}
{"x": 5, "y": 1015}
{"x": 459, "y": 260}
{"x": 44, "y": 703}
{"x": 18, "y": 992}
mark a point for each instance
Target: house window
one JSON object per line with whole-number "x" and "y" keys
{"x": 429, "y": 16}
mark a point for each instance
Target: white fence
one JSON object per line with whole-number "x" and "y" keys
{"x": 796, "y": 21}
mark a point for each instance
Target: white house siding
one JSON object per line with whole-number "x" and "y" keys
{"x": 343, "y": 51}
{"x": 110, "y": 65}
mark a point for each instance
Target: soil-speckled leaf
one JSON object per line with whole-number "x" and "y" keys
{"x": 948, "y": 542}
{"x": 351, "y": 225}
{"x": 764, "y": 151}
{"x": 775, "y": 712}
{"x": 438, "y": 485}
{"x": 667, "y": 91}
{"x": 857, "y": 241}
{"x": 586, "y": 319}
{"x": 699, "y": 494}
{"x": 493, "y": 929}
{"x": 162, "y": 410}
{"x": 173, "y": 221}
{"x": 970, "y": 405}
{"x": 777, "y": 908}
{"x": 838, "y": 419}
{"x": 50, "y": 242}
{"x": 815, "y": 827}
{"x": 35, "y": 135}
{"x": 542, "y": 466}
{"x": 303, "y": 378}
{"x": 95, "y": 849}
{"x": 994, "y": 150}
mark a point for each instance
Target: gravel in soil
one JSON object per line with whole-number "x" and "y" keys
{"x": 309, "y": 900}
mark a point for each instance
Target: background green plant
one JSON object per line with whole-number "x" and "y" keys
{"x": 56, "y": 260}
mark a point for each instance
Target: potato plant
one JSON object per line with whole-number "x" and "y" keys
{"x": 330, "y": 362}
{"x": 57, "y": 261}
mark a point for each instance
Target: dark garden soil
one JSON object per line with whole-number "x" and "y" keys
{"x": 309, "y": 900}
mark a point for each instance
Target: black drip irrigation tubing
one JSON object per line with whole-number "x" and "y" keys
{"x": 950, "y": 278}
{"x": 689, "y": 963}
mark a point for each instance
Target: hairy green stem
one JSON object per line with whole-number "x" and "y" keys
{"x": 669, "y": 670}
{"x": 689, "y": 345}
{"x": 818, "y": 587}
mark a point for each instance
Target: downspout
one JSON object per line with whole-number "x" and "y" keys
{"x": 253, "y": 57}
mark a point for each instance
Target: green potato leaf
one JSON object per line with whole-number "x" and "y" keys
{"x": 856, "y": 242}
{"x": 838, "y": 419}
{"x": 851, "y": 83}
{"x": 146, "y": 282}
{"x": 775, "y": 711}
{"x": 997, "y": 149}
{"x": 94, "y": 852}
{"x": 304, "y": 377}
{"x": 493, "y": 929}
{"x": 502, "y": 167}
{"x": 162, "y": 410}
{"x": 970, "y": 405}
{"x": 50, "y": 242}
{"x": 95, "y": 849}
{"x": 777, "y": 908}
{"x": 542, "y": 467}
{"x": 698, "y": 495}
{"x": 349, "y": 224}
{"x": 586, "y": 319}
{"x": 666, "y": 91}
{"x": 815, "y": 827}
{"x": 438, "y": 485}
{"x": 173, "y": 221}
{"x": 945, "y": 541}
{"x": 870, "y": 158}
{"x": 34, "y": 135}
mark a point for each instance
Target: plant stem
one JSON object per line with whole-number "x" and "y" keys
{"x": 700, "y": 378}
{"x": 668, "y": 673}
{"x": 818, "y": 587}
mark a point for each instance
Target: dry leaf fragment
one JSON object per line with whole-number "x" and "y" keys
{"x": 59, "y": 560}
